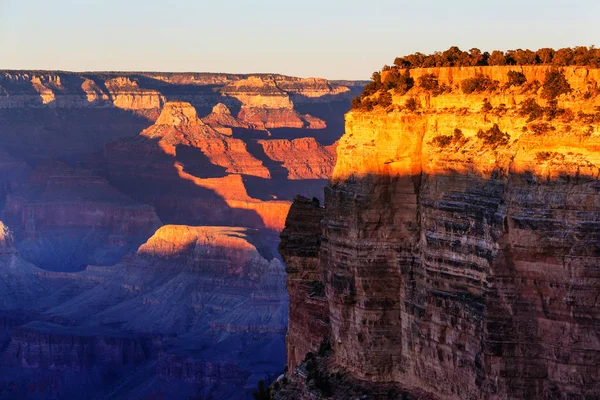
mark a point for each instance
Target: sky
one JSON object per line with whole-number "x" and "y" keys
{"x": 334, "y": 39}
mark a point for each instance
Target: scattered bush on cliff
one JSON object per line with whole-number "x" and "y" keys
{"x": 429, "y": 82}
{"x": 494, "y": 136}
{"x": 531, "y": 108}
{"x": 545, "y": 55}
{"x": 412, "y": 104}
{"x": 455, "y": 57}
{"x": 320, "y": 379}
{"x": 446, "y": 140}
{"x": 441, "y": 141}
{"x": 363, "y": 102}
{"x": 555, "y": 84}
{"x": 400, "y": 81}
{"x": 478, "y": 83}
{"x": 543, "y": 156}
{"x": 497, "y": 58}
{"x": 487, "y": 106}
{"x": 541, "y": 128}
{"x": 384, "y": 99}
{"x": 516, "y": 78}
{"x": 590, "y": 118}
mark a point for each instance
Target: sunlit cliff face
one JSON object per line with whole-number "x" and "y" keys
{"x": 566, "y": 144}
{"x": 457, "y": 251}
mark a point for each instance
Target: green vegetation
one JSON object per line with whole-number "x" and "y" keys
{"x": 555, "y": 84}
{"x": 494, "y": 136}
{"x": 541, "y": 128}
{"x": 446, "y": 140}
{"x": 590, "y": 118}
{"x": 543, "y": 156}
{"x": 397, "y": 79}
{"x": 429, "y": 82}
{"x": 487, "y": 106}
{"x": 401, "y": 82}
{"x": 478, "y": 83}
{"x": 455, "y": 57}
{"x": 412, "y": 104}
{"x": 516, "y": 78}
{"x": 531, "y": 108}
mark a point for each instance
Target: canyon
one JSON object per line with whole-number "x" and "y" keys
{"x": 457, "y": 253}
{"x": 140, "y": 217}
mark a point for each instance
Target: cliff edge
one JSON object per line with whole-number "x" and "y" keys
{"x": 460, "y": 241}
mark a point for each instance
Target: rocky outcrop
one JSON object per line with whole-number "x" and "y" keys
{"x": 192, "y": 312}
{"x": 202, "y": 169}
{"x": 303, "y": 158}
{"x": 179, "y": 125}
{"x": 460, "y": 245}
{"x": 309, "y": 313}
{"x": 266, "y": 101}
{"x": 221, "y": 120}
{"x": 268, "y": 118}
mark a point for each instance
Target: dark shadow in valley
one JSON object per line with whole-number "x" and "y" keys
{"x": 139, "y": 168}
{"x": 195, "y": 162}
{"x": 270, "y": 189}
{"x": 278, "y": 172}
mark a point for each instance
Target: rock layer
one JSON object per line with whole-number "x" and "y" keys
{"x": 309, "y": 313}
{"x": 465, "y": 267}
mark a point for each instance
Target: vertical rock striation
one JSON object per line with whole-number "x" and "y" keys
{"x": 299, "y": 247}
{"x": 460, "y": 251}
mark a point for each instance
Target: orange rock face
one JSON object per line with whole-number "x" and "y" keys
{"x": 206, "y": 170}
{"x": 179, "y": 125}
{"x": 465, "y": 266}
{"x": 221, "y": 120}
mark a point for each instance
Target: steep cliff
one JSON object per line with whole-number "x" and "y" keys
{"x": 460, "y": 244}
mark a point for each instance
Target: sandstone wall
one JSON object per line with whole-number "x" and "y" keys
{"x": 469, "y": 269}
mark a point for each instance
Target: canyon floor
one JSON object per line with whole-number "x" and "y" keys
{"x": 140, "y": 218}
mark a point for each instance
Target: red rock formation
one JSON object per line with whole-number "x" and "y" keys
{"x": 304, "y": 158}
{"x": 151, "y": 161}
{"x": 266, "y": 104}
{"x": 222, "y": 121}
{"x": 73, "y": 113}
{"x": 179, "y": 125}
{"x": 470, "y": 270}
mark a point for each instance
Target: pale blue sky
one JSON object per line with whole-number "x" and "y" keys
{"x": 337, "y": 39}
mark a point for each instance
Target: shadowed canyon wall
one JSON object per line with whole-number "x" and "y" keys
{"x": 458, "y": 249}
